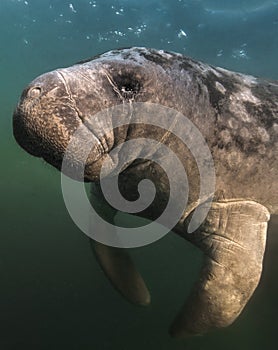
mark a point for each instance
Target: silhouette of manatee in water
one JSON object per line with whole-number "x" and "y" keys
{"x": 237, "y": 116}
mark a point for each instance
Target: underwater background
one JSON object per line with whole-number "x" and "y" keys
{"x": 53, "y": 294}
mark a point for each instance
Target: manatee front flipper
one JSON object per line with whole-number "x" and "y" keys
{"x": 233, "y": 240}
{"x": 116, "y": 262}
{"x": 119, "y": 268}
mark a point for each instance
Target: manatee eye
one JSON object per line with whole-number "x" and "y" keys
{"x": 128, "y": 91}
{"x": 34, "y": 92}
{"x": 128, "y": 86}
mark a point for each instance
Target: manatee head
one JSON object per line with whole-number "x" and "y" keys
{"x": 54, "y": 105}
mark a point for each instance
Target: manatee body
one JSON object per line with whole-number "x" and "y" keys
{"x": 238, "y": 118}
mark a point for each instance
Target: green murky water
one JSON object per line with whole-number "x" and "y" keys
{"x": 52, "y": 293}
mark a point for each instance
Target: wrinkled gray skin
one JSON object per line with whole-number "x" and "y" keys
{"x": 237, "y": 116}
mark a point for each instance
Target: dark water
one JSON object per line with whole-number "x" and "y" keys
{"x": 52, "y": 293}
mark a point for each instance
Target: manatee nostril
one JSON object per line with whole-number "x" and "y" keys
{"x": 34, "y": 92}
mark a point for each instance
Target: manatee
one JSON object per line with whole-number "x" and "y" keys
{"x": 237, "y": 116}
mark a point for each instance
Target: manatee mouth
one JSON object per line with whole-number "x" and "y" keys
{"x": 28, "y": 134}
{"x": 30, "y": 142}
{"x": 23, "y": 137}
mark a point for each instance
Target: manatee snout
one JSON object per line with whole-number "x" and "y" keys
{"x": 45, "y": 120}
{"x": 34, "y": 113}
{"x": 22, "y": 129}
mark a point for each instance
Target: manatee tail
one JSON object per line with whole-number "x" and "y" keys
{"x": 233, "y": 240}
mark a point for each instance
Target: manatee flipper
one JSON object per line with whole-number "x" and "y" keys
{"x": 120, "y": 270}
{"x": 233, "y": 240}
{"x": 116, "y": 262}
